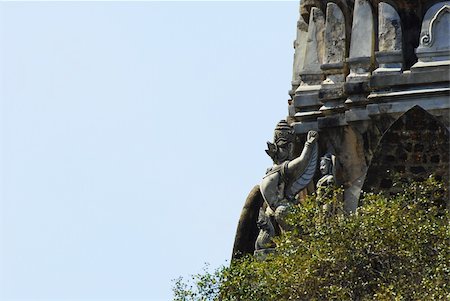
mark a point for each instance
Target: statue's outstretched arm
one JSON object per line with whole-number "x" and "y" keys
{"x": 298, "y": 165}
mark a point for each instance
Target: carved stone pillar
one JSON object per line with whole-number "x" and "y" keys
{"x": 299, "y": 54}
{"x": 306, "y": 99}
{"x": 427, "y": 83}
{"x": 360, "y": 61}
{"x": 389, "y": 55}
{"x": 332, "y": 90}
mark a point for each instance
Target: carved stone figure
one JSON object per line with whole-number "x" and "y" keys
{"x": 266, "y": 231}
{"x": 284, "y": 180}
{"x": 372, "y": 77}
{"x": 326, "y": 167}
{"x": 263, "y": 214}
{"x": 326, "y": 184}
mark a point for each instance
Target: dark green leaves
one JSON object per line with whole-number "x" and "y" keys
{"x": 394, "y": 248}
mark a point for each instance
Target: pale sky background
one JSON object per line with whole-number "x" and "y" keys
{"x": 130, "y": 136}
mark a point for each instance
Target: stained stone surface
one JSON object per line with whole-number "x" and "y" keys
{"x": 389, "y": 28}
{"x": 299, "y": 53}
{"x": 306, "y": 126}
{"x": 422, "y": 73}
{"x": 361, "y": 58}
{"x": 362, "y": 41}
{"x": 306, "y": 99}
{"x": 314, "y": 44}
{"x": 334, "y": 61}
{"x": 334, "y": 35}
{"x": 389, "y": 55}
{"x": 415, "y": 147}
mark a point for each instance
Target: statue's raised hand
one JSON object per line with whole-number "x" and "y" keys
{"x": 312, "y": 137}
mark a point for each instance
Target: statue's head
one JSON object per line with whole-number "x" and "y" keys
{"x": 283, "y": 143}
{"x": 326, "y": 164}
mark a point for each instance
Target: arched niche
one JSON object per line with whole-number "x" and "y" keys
{"x": 414, "y": 147}
{"x": 434, "y": 41}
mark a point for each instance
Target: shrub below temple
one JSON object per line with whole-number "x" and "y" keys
{"x": 392, "y": 248}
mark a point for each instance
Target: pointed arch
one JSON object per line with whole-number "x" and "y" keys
{"x": 415, "y": 146}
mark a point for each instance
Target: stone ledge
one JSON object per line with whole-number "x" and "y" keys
{"x": 304, "y": 127}
{"x": 440, "y": 103}
{"x": 357, "y": 87}
{"x": 331, "y": 92}
{"x": 332, "y": 66}
{"x": 443, "y": 65}
{"x": 386, "y": 96}
{"x": 356, "y": 114}
{"x": 335, "y": 120}
{"x": 307, "y": 99}
{"x": 393, "y": 56}
{"x": 387, "y": 70}
{"x": 425, "y": 76}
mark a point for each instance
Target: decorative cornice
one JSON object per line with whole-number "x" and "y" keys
{"x": 427, "y": 39}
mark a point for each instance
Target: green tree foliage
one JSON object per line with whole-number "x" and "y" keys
{"x": 393, "y": 248}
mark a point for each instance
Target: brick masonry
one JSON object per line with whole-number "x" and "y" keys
{"x": 414, "y": 147}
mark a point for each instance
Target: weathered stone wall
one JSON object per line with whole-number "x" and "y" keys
{"x": 372, "y": 77}
{"x": 413, "y": 148}
{"x": 381, "y": 58}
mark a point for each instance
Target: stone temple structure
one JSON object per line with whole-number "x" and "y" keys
{"x": 371, "y": 77}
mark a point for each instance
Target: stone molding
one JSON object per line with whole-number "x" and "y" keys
{"x": 340, "y": 82}
{"x": 427, "y": 38}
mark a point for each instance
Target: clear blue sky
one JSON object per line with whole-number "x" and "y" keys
{"x": 130, "y": 135}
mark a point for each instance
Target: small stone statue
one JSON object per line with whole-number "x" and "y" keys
{"x": 326, "y": 167}
{"x": 327, "y": 181}
{"x": 283, "y": 181}
{"x": 266, "y": 231}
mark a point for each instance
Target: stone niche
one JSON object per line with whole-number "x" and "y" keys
{"x": 435, "y": 33}
{"x": 414, "y": 147}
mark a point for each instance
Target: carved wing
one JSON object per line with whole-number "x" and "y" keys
{"x": 247, "y": 230}
{"x": 306, "y": 177}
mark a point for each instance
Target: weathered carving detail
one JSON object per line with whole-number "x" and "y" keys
{"x": 283, "y": 181}
{"x": 389, "y": 55}
{"x": 435, "y": 36}
{"x": 360, "y": 61}
{"x": 267, "y": 231}
{"x": 428, "y": 38}
{"x": 299, "y": 55}
{"x": 326, "y": 187}
{"x": 306, "y": 99}
{"x": 326, "y": 166}
{"x": 332, "y": 90}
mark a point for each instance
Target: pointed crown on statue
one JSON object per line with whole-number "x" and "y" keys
{"x": 283, "y": 132}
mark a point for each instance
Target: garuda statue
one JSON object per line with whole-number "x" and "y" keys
{"x": 264, "y": 211}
